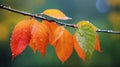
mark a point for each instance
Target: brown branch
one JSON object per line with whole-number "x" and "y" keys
{"x": 34, "y": 15}
{"x": 43, "y": 18}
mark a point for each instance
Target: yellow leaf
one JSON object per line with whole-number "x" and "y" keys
{"x": 55, "y": 13}
{"x": 80, "y": 23}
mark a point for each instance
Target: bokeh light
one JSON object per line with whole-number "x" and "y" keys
{"x": 102, "y": 6}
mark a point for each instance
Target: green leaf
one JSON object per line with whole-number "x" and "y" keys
{"x": 85, "y": 36}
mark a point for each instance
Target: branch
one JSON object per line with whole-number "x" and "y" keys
{"x": 35, "y": 15}
{"x": 43, "y": 18}
{"x": 108, "y": 31}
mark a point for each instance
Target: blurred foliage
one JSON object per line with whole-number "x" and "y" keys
{"x": 114, "y": 3}
{"x": 114, "y": 17}
{"x": 78, "y": 10}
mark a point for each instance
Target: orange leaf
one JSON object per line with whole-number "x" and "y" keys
{"x": 20, "y": 37}
{"x": 33, "y": 46}
{"x": 97, "y": 45}
{"x": 52, "y": 26}
{"x": 64, "y": 46}
{"x": 78, "y": 49}
{"x": 39, "y": 37}
{"x": 55, "y": 13}
{"x": 57, "y": 34}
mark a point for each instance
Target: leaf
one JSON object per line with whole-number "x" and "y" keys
{"x": 55, "y": 13}
{"x": 85, "y": 36}
{"x": 52, "y": 26}
{"x": 87, "y": 22}
{"x": 57, "y": 34}
{"x": 64, "y": 46}
{"x": 39, "y": 37}
{"x": 33, "y": 46}
{"x": 78, "y": 49}
{"x": 97, "y": 44}
{"x": 20, "y": 37}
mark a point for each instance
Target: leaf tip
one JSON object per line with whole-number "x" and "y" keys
{"x": 62, "y": 62}
{"x": 68, "y": 18}
{"x": 13, "y": 56}
{"x": 97, "y": 44}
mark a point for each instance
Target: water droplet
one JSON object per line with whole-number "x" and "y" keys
{"x": 13, "y": 54}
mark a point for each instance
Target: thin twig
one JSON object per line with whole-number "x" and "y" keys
{"x": 43, "y": 18}
{"x": 108, "y": 31}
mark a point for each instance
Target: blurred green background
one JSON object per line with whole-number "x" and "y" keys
{"x": 105, "y": 14}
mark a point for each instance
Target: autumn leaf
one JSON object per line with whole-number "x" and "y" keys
{"x": 33, "y": 46}
{"x": 64, "y": 46}
{"x": 86, "y": 36}
{"x": 78, "y": 49}
{"x": 39, "y": 35}
{"x": 52, "y": 26}
{"x": 55, "y": 13}
{"x": 80, "y": 23}
{"x": 57, "y": 34}
{"x": 20, "y": 37}
{"x": 97, "y": 44}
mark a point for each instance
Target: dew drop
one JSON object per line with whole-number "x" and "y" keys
{"x": 13, "y": 54}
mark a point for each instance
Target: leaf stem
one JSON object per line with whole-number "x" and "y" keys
{"x": 43, "y": 18}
